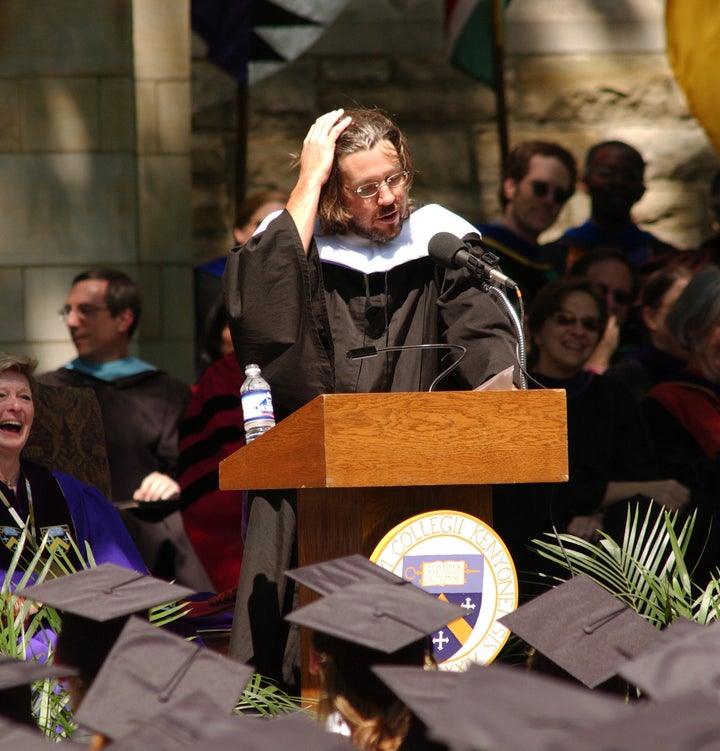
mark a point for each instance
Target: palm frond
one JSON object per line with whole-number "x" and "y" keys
{"x": 648, "y": 569}
{"x": 264, "y": 698}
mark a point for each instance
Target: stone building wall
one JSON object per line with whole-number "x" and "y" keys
{"x": 577, "y": 71}
{"x": 95, "y": 167}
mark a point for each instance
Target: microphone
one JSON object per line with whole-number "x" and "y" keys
{"x": 451, "y": 252}
{"x": 361, "y": 353}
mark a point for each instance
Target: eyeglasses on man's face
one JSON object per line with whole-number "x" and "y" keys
{"x": 563, "y": 318}
{"x": 81, "y": 311}
{"x": 620, "y": 296}
{"x": 368, "y": 190}
{"x": 541, "y": 189}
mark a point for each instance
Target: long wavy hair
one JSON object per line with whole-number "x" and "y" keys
{"x": 377, "y": 719}
{"x": 369, "y": 127}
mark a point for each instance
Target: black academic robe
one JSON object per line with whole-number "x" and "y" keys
{"x": 296, "y": 316}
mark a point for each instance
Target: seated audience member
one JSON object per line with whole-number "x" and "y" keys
{"x": 609, "y": 454}
{"x": 615, "y": 181}
{"x": 684, "y": 412}
{"x": 661, "y": 357}
{"x": 208, "y": 276}
{"x": 45, "y": 500}
{"x": 538, "y": 179}
{"x": 614, "y": 276}
{"x": 211, "y": 430}
{"x": 141, "y": 407}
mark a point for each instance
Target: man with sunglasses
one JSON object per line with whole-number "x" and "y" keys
{"x": 346, "y": 265}
{"x": 538, "y": 179}
{"x": 615, "y": 181}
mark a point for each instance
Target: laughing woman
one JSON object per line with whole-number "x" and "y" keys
{"x": 48, "y": 502}
{"x": 609, "y": 454}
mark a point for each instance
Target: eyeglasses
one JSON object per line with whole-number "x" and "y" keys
{"x": 540, "y": 189}
{"x": 620, "y": 296}
{"x": 368, "y": 190}
{"x": 82, "y": 311}
{"x": 563, "y": 318}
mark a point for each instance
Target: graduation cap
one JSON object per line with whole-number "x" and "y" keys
{"x": 105, "y": 592}
{"x": 378, "y": 615}
{"x": 21, "y": 738}
{"x": 674, "y": 666}
{"x": 14, "y": 672}
{"x": 685, "y": 722}
{"x": 16, "y": 677}
{"x": 583, "y": 629}
{"x": 295, "y": 731}
{"x": 184, "y": 723}
{"x": 96, "y": 603}
{"x": 149, "y": 670}
{"x": 329, "y": 576}
{"x": 501, "y": 708}
{"x": 425, "y": 692}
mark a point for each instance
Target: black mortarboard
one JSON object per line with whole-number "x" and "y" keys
{"x": 187, "y": 721}
{"x": 295, "y": 731}
{"x": 21, "y": 738}
{"x": 14, "y": 672}
{"x": 329, "y": 576}
{"x": 582, "y": 628}
{"x": 674, "y": 666}
{"x": 148, "y": 670}
{"x": 16, "y": 677}
{"x": 95, "y": 605}
{"x": 423, "y": 691}
{"x": 378, "y": 615}
{"x": 500, "y": 708}
{"x": 685, "y": 722}
{"x": 105, "y": 592}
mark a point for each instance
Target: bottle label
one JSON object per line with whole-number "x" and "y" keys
{"x": 257, "y": 405}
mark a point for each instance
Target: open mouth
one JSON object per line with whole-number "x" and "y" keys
{"x": 10, "y": 426}
{"x": 391, "y": 216}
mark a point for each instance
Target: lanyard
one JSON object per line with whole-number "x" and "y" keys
{"x": 14, "y": 513}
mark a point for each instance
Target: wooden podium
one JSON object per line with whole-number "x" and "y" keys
{"x": 362, "y": 463}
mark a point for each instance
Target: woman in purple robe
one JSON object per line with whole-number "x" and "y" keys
{"x": 47, "y": 503}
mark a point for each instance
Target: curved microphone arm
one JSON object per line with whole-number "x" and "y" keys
{"x": 361, "y": 353}
{"x": 502, "y": 300}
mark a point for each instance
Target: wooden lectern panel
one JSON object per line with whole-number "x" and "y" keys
{"x": 409, "y": 439}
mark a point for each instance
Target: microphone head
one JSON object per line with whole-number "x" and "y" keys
{"x": 443, "y": 247}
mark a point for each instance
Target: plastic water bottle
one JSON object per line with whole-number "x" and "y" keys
{"x": 257, "y": 406}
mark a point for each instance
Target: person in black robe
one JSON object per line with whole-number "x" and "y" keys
{"x": 345, "y": 265}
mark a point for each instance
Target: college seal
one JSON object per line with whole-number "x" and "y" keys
{"x": 458, "y": 558}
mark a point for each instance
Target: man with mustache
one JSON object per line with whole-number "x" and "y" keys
{"x": 346, "y": 265}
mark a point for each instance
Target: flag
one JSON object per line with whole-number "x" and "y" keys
{"x": 693, "y": 48}
{"x": 470, "y": 37}
{"x": 250, "y": 39}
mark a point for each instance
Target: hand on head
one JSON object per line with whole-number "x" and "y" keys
{"x": 318, "y": 152}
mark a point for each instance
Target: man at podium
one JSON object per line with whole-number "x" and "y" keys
{"x": 345, "y": 265}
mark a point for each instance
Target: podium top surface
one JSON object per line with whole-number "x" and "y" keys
{"x": 407, "y": 439}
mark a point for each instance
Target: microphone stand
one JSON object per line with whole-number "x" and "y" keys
{"x": 483, "y": 281}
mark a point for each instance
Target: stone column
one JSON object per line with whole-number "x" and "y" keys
{"x": 94, "y": 156}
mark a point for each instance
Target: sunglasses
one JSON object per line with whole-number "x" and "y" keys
{"x": 569, "y": 319}
{"x": 540, "y": 189}
{"x": 621, "y": 296}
